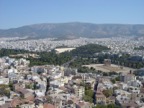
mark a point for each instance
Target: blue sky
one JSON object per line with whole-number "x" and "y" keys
{"x": 15, "y": 13}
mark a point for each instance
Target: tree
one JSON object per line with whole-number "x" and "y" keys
{"x": 105, "y": 74}
{"x": 88, "y": 50}
{"x": 88, "y": 87}
{"x": 117, "y": 78}
{"x": 35, "y": 86}
{"x": 113, "y": 81}
{"x": 49, "y": 99}
{"x": 100, "y": 106}
{"x": 11, "y": 86}
{"x": 17, "y": 106}
{"x": 92, "y": 68}
{"x": 107, "y": 106}
{"x": 111, "y": 106}
{"x": 142, "y": 99}
{"x": 29, "y": 86}
{"x": 88, "y": 94}
{"x": 108, "y": 92}
{"x": 4, "y": 90}
{"x": 7, "y": 92}
{"x": 88, "y": 98}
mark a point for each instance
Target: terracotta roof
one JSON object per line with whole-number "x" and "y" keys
{"x": 81, "y": 103}
{"x": 46, "y": 105}
{"x": 70, "y": 102}
{"x": 130, "y": 104}
{"x": 74, "y": 99}
{"x": 100, "y": 96}
{"x": 111, "y": 98}
{"x": 63, "y": 88}
{"x": 15, "y": 102}
{"x": 77, "y": 77}
{"x": 24, "y": 91}
{"x": 30, "y": 98}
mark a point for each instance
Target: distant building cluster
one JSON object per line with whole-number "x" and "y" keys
{"x": 117, "y": 44}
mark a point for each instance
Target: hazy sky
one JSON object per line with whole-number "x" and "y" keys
{"x": 15, "y": 13}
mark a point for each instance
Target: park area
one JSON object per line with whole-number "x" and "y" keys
{"x": 110, "y": 68}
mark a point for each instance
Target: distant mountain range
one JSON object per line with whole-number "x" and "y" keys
{"x": 74, "y": 30}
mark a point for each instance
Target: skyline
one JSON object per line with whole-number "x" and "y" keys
{"x": 19, "y": 13}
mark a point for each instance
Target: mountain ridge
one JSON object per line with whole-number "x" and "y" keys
{"x": 74, "y": 29}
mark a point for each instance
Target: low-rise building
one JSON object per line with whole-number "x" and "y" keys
{"x": 27, "y": 105}
{"x": 79, "y": 91}
{"x": 100, "y": 97}
{"x": 127, "y": 77}
{"x": 4, "y": 80}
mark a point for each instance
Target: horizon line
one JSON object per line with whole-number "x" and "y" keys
{"x": 70, "y": 22}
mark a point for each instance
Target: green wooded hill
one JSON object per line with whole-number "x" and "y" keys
{"x": 58, "y": 59}
{"x": 88, "y": 50}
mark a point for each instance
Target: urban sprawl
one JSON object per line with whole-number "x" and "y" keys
{"x": 51, "y": 86}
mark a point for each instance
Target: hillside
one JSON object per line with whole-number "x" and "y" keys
{"x": 74, "y": 30}
{"x": 54, "y": 58}
{"x": 88, "y": 50}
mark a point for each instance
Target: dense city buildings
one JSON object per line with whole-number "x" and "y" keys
{"x": 117, "y": 44}
{"x": 50, "y": 86}
{"x": 71, "y": 54}
{"x": 61, "y": 86}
